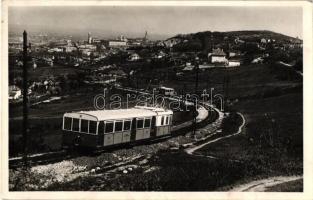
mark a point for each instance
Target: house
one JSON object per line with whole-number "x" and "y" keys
{"x": 14, "y": 92}
{"x": 217, "y": 56}
{"x": 257, "y": 60}
{"x": 159, "y": 55}
{"x": 205, "y": 66}
{"x": 188, "y": 67}
{"x": 263, "y": 41}
{"x": 133, "y": 57}
{"x": 234, "y": 61}
{"x": 234, "y": 53}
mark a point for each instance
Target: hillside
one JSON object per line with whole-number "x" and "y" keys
{"x": 248, "y": 35}
{"x": 204, "y": 40}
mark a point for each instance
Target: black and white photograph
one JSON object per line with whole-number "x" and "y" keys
{"x": 154, "y": 98}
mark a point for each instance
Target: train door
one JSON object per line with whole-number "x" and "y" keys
{"x": 133, "y": 130}
{"x": 153, "y": 127}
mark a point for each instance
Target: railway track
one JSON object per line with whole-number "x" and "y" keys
{"x": 57, "y": 156}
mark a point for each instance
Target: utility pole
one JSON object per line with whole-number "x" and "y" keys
{"x": 226, "y": 89}
{"x": 25, "y": 99}
{"x": 196, "y": 93}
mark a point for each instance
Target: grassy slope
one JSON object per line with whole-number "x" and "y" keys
{"x": 253, "y": 154}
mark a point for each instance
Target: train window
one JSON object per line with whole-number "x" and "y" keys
{"x": 101, "y": 127}
{"x": 67, "y": 123}
{"x": 118, "y": 126}
{"x": 139, "y": 123}
{"x": 167, "y": 120}
{"x": 84, "y": 126}
{"x": 75, "y": 126}
{"x": 126, "y": 125}
{"x": 147, "y": 123}
{"x": 108, "y": 127}
{"x": 92, "y": 127}
{"x": 162, "y": 121}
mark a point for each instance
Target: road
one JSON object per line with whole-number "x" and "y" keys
{"x": 264, "y": 184}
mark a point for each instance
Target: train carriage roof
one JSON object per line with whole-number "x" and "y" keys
{"x": 101, "y": 115}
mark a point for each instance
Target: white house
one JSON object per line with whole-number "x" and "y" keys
{"x": 217, "y": 56}
{"x": 234, "y": 62}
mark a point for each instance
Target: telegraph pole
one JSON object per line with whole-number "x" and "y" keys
{"x": 196, "y": 93}
{"x": 25, "y": 99}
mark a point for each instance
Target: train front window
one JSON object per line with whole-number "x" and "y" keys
{"x": 147, "y": 123}
{"x": 162, "y": 121}
{"x": 75, "y": 124}
{"x": 139, "y": 123}
{"x": 167, "y": 120}
{"x": 126, "y": 125}
{"x": 84, "y": 126}
{"x": 118, "y": 126}
{"x": 108, "y": 127}
{"x": 92, "y": 127}
{"x": 67, "y": 123}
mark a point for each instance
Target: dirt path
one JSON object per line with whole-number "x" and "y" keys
{"x": 191, "y": 150}
{"x": 264, "y": 184}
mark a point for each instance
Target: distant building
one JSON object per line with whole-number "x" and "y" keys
{"x": 123, "y": 38}
{"x": 117, "y": 43}
{"x": 68, "y": 49}
{"x": 89, "y": 38}
{"x": 234, "y": 62}
{"x": 205, "y": 66}
{"x": 96, "y": 40}
{"x": 171, "y": 42}
{"x": 14, "y": 92}
{"x": 263, "y": 40}
{"x": 56, "y": 49}
{"x": 217, "y": 56}
{"x": 257, "y": 60}
{"x": 234, "y": 53}
{"x": 160, "y": 55}
{"x": 188, "y": 67}
{"x": 134, "y": 57}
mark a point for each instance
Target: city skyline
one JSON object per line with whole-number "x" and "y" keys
{"x": 160, "y": 22}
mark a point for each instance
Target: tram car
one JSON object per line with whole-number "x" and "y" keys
{"x": 166, "y": 91}
{"x": 105, "y": 128}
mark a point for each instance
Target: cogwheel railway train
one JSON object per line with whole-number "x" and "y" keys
{"x": 106, "y": 128}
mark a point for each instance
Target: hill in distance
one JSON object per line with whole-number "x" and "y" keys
{"x": 204, "y": 40}
{"x": 249, "y": 36}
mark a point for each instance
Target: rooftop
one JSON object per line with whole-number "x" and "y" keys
{"x": 218, "y": 52}
{"x": 138, "y": 111}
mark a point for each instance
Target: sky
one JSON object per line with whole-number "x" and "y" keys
{"x": 159, "y": 21}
